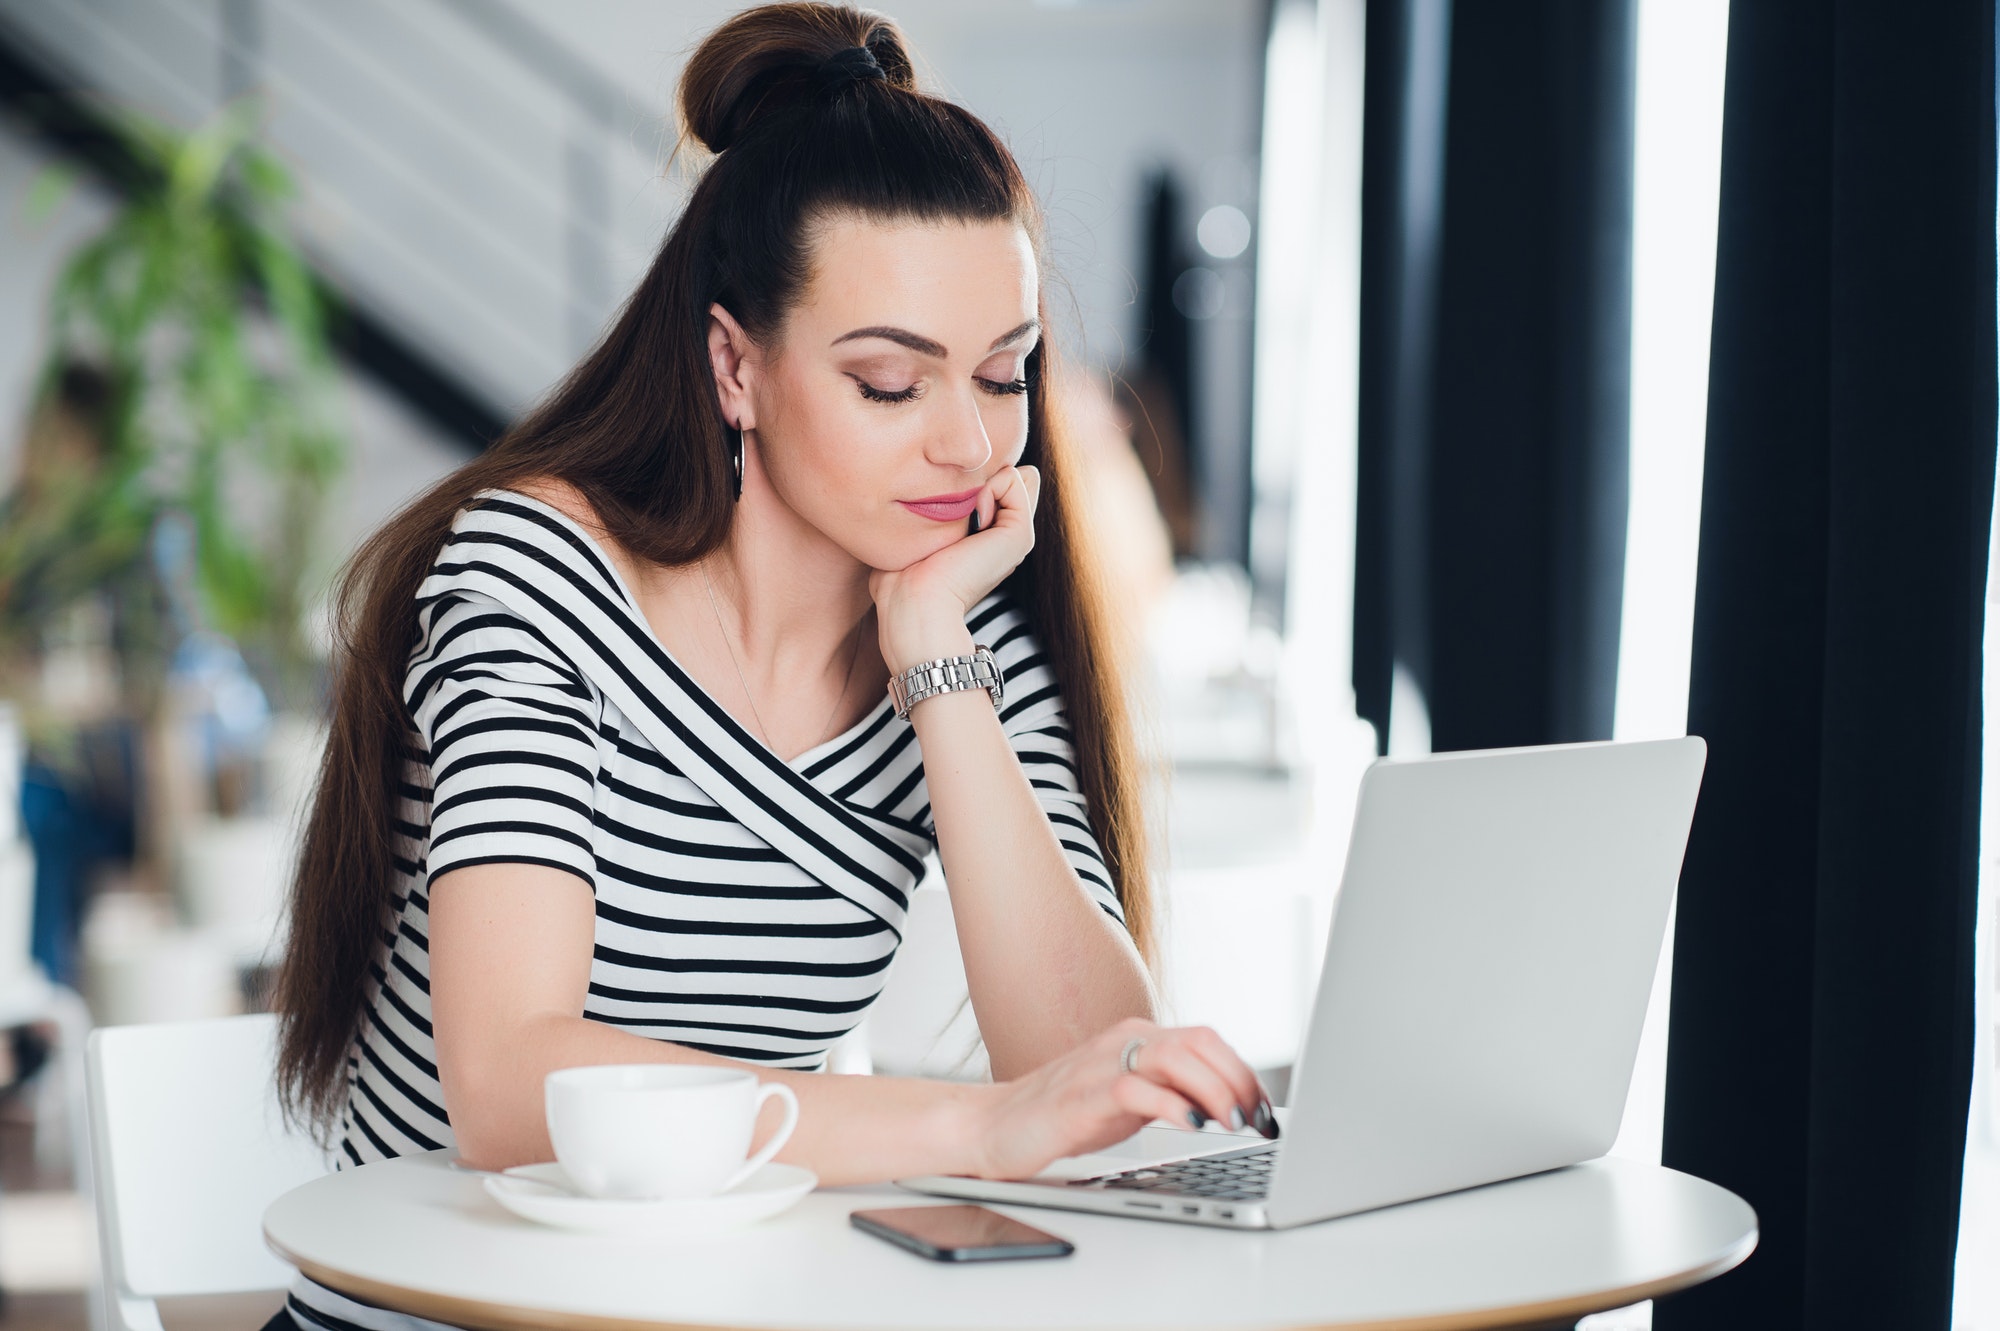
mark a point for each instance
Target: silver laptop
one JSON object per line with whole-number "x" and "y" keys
{"x": 1487, "y": 973}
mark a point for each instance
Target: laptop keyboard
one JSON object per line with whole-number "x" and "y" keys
{"x": 1237, "y": 1176}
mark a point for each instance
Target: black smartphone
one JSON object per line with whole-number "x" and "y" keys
{"x": 959, "y": 1233}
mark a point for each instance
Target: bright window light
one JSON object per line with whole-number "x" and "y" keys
{"x": 1677, "y": 172}
{"x": 1677, "y": 168}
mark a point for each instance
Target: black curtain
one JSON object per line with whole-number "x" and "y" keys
{"x": 1821, "y": 1047}
{"x": 1407, "y": 61}
{"x": 1496, "y": 315}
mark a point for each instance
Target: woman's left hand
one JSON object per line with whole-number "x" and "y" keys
{"x": 920, "y": 610}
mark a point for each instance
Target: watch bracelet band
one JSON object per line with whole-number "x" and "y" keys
{"x": 950, "y": 674}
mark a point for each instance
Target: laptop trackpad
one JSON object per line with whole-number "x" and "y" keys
{"x": 1152, "y": 1145}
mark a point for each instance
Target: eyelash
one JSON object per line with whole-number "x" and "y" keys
{"x": 1011, "y": 388}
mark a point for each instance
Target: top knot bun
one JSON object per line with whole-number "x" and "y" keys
{"x": 782, "y": 56}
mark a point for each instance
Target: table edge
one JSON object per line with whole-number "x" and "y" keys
{"x": 482, "y": 1316}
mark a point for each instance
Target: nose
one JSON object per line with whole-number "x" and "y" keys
{"x": 960, "y": 440}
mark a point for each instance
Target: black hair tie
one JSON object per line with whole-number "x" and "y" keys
{"x": 848, "y": 66}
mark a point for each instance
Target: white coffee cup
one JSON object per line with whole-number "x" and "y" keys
{"x": 651, "y": 1130}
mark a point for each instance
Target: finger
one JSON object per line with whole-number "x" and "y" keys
{"x": 1149, "y": 1100}
{"x": 1014, "y": 502}
{"x": 1012, "y": 489}
{"x": 1244, "y": 1087}
{"x": 1171, "y": 1062}
{"x": 1032, "y": 476}
{"x": 988, "y": 505}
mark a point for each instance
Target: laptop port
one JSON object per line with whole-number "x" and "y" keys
{"x": 1190, "y": 1210}
{"x": 1148, "y": 1206}
{"x": 1225, "y": 1213}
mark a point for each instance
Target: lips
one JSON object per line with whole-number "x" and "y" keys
{"x": 943, "y": 508}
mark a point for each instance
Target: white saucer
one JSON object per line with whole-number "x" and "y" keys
{"x": 543, "y": 1193}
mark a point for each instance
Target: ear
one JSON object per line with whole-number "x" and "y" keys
{"x": 732, "y": 356}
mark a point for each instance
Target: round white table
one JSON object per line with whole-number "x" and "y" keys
{"x": 420, "y": 1237}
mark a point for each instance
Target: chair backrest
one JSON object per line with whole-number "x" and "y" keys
{"x": 188, "y": 1148}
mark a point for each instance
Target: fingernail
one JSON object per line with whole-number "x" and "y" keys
{"x": 1236, "y": 1118}
{"x": 1265, "y": 1121}
{"x": 1196, "y": 1119}
{"x": 972, "y": 523}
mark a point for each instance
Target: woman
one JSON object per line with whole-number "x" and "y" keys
{"x": 612, "y": 763}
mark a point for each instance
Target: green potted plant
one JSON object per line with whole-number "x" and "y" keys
{"x": 157, "y": 546}
{"x": 187, "y": 380}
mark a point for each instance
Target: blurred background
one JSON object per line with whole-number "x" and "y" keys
{"x": 1393, "y": 417}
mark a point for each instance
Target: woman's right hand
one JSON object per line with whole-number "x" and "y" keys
{"x": 1086, "y": 1101}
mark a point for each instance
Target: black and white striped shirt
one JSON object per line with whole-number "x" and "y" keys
{"x": 745, "y": 905}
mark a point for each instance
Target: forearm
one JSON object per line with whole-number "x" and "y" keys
{"x": 1046, "y": 967}
{"x": 510, "y": 950}
{"x": 851, "y": 1129}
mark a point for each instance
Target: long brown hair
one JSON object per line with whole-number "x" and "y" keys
{"x": 636, "y": 429}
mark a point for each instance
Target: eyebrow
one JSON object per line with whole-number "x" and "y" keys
{"x": 917, "y": 342}
{"x": 1014, "y": 335}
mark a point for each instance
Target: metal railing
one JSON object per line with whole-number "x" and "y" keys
{"x": 458, "y": 168}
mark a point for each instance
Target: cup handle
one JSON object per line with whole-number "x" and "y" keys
{"x": 756, "y": 1162}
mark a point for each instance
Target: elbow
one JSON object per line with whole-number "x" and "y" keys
{"x": 477, "y": 1148}
{"x": 476, "y": 1129}
{"x": 494, "y": 1106}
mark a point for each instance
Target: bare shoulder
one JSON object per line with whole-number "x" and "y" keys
{"x": 571, "y": 502}
{"x": 565, "y": 498}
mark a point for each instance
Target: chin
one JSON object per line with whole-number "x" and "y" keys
{"x": 888, "y": 552}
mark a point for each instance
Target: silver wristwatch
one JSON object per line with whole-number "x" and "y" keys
{"x": 951, "y": 674}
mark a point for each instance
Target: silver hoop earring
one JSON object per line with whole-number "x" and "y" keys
{"x": 736, "y": 463}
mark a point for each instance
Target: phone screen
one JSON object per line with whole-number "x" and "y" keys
{"x": 959, "y": 1233}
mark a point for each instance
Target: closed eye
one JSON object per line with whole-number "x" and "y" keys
{"x": 874, "y": 394}
{"x": 1003, "y": 388}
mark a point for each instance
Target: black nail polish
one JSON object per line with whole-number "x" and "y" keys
{"x": 1197, "y": 1119}
{"x": 1265, "y": 1121}
{"x": 972, "y": 523}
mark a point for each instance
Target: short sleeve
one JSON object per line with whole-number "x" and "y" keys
{"x": 510, "y": 730}
{"x": 1032, "y": 716}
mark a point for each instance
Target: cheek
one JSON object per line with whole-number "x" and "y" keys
{"x": 841, "y": 466}
{"x": 840, "y": 469}
{"x": 1007, "y": 426}
{"x": 824, "y": 466}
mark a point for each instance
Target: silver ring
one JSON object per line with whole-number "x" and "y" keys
{"x": 1129, "y": 1059}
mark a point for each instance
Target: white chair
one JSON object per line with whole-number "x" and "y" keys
{"x": 188, "y": 1148}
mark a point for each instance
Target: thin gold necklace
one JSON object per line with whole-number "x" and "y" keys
{"x": 846, "y": 680}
